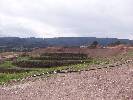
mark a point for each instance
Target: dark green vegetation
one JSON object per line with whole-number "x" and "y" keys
{"x": 27, "y": 44}
{"x": 48, "y": 60}
{"x": 116, "y": 43}
{"x": 47, "y": 63}
{"x": 61, "y": 56}
{"x": 6, "y": 64}
{"x": 94, "y": 45}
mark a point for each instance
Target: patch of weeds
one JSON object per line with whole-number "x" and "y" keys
{"x": 7, "y": 64}
{"x": 100, "y": 61}
{"x": 6, "y": 77}
{"x": 130, "y": 53}
{"x": 23, "y": 58}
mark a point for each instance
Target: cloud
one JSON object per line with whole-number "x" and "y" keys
{"x": 53, "y": 18}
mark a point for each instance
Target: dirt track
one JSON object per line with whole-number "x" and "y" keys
{"x": 102, "y": 84}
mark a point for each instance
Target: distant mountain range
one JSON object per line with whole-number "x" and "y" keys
{"x": 32, "y": 42}
{"x": 78, "y": 41}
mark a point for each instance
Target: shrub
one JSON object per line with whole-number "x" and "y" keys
{"x": 60, "y": 56}
{"x": 46, "y": 64}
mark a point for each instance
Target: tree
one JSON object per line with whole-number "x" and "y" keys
{"x": 116, "y": 43}
{"x": 94, "y": 44}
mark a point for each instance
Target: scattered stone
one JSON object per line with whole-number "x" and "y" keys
{"x": 99, "y": 68}
{"x": 111, "y": 66}
{"x": 86, "y": 69}
{"x": 51, "y": 72}
{"x": 105, "y": 67}
{"x": 38, "y": 75}
{"x": 55, "y": 72}
{"x": 58, "y": 71}
{"x": 73, "y": 71}
{"x": 92, "y": 69}
{"x": 34, "y": 75}
{"x": 116, "y": 65}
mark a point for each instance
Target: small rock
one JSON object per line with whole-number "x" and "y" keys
{"x": 55, "y": 72}
{"x": 111, "y": 66}
{"x": 34, "y": 75}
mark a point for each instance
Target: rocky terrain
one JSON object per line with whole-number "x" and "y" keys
{"x": 104, "y": 84}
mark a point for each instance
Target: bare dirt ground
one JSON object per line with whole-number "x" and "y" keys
{"x": 113, "y": 83}
{"x": 97, "y": 52}
{"x": 103, "y": 84}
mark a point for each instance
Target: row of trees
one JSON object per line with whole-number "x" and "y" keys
{"x": 95, "y": 44}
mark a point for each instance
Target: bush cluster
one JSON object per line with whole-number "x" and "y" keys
{"x": 46, "y": 64}
{"x": 52, "y": 59}
{"x": 61, "y": 56}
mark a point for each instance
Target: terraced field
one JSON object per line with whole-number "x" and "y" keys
{"x": 107, "y": 78}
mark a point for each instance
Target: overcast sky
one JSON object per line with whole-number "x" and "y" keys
{"x": 73, "y": 18}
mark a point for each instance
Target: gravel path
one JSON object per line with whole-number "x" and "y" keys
{"x": 102, "y": 84}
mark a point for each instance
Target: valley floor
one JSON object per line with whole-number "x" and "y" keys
{"x": 115, "y": 83}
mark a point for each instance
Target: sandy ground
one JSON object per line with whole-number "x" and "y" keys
{"x": 102, "y": 84}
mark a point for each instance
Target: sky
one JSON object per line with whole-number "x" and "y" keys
{"x": 66, "y": 18}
